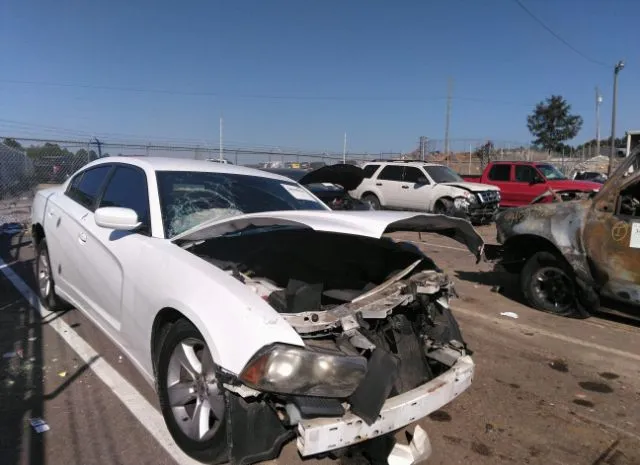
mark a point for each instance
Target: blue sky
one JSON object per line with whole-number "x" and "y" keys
{"x": 301, "y": 73}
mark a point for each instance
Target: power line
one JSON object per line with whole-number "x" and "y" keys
{"x": 255, "y": 96}
{"x": 557, "y": 36}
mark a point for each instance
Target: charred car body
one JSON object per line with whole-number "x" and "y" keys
{"x": 569, "y": 253}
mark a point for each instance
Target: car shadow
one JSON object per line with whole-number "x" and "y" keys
{"x": 507, "y": 285}
{"x": 22, "y": 389}
{"x": 500, "y": 282}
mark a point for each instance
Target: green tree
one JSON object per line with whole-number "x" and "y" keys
{"x": 552, "y": 123}
{"x": 9, "y": 142}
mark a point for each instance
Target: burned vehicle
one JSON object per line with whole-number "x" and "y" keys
{"x": 257, "y": 313}
{"x": 571, "y": 252}
{"x": 330, "y": 183}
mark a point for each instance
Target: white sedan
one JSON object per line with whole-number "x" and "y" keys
{"x": 259, "y": 315}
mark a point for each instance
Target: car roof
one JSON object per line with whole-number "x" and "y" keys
{"x": 186, "y": 164}
{"x": 403, "y": 163}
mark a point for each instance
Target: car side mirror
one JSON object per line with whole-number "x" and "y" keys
{"x": 118, "y": 218}
{"x": 536, "y": 180}
{"x": 422, "y": 180}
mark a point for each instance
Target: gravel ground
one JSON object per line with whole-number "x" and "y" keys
{"x": 547, "y": 390}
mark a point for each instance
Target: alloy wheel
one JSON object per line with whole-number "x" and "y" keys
{"x": 195, "y": 398}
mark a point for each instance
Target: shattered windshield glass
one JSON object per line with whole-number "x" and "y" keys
{"x": 189, "y": 198}
{"x": 551, "y": 172}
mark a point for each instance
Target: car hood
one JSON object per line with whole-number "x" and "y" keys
{"x": 471, "y": 186}
{"x": 569, "y": 184}
{"x": 366, "y": 223}
{"x": 347, "y": 176}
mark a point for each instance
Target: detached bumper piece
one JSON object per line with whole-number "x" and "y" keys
{"x": 483, "y": 212}
{"x": 327, "y": 434}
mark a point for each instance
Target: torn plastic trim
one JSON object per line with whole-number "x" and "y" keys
{"x": 325, "y": 434}
{"x": 374, "y": 305}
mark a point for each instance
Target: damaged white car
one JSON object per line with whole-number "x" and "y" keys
{"x": 260, "y": 315}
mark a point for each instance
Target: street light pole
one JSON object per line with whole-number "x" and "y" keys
{"x": 598, "y": 102}
{"x": 619, "y": 66}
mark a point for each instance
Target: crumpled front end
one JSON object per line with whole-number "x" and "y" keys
{"x": 381, "y": 349}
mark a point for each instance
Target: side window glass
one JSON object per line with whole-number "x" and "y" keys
{"x": 127, "y": 188}
{"x": 500, "y": 173}
{"x": 524, "y": 173}
{"x": 391, "y": 173}
{"x": 86, "y": 188}
{"x": 412, "y": 175}
{"x": 369, "y": 170}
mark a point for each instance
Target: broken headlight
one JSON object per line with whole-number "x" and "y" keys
{"x": 295, "y": 370}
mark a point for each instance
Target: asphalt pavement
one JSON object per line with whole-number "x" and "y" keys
{"x": 547, "y": 390}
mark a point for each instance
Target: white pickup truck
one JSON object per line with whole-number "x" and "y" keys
{"x": 420, "y": 186}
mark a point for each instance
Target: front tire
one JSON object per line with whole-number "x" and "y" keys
{"x": 44, "y": 279}
{"x": 443, "y": 207}
{"x": 191, "y": 398}
{"x": 549, "y": 284}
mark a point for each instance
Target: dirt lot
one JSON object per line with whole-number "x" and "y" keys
{"x": 547, "y": 390}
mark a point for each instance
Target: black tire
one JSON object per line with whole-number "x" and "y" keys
{"x": 372, "y": 200}
{"x": 549, "y": 284}
{"x": 443, "y": 207}
{"x": 48, "y": 296}
{"x": 214, "y": 450}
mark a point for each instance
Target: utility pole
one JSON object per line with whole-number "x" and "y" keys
{"x": 448, "y": 120}
{"x": 344, "y": 149}
{"x": 598, "y": 102}
{"x": 619, "y": 66}
{"x": 220, "y": 149}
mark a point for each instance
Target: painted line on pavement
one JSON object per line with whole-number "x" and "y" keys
{"x": 544, "y": 332}
{"x": 146, "y": 413}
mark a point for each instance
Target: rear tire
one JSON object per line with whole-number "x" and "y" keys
{"x": 44, "y": 279}
{"x": 372, "y": 200}
{"x": 195, "y": 410}
{"x": 549, "y": 284}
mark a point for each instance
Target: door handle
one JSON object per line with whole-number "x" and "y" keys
{"x": 405, "y": 187}
{"x": 82, "y": 237}
{"x": 378, "y": 184}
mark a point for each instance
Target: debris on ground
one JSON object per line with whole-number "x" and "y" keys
{"x": 39, "y": 425}
{"x": 509, "y": 314}
{"x": 62, "y": 374}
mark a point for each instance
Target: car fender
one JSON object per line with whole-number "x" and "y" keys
{"x": 234, "y": 321}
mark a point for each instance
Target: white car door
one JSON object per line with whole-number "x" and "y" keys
{"x": 111, "y": 256}
{"x": 389, "y": 184}
{"x": 417, "y": 189}
{"x": 64, "y": 215}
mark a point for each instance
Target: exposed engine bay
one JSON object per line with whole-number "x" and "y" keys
{"x": 350, "y": 294}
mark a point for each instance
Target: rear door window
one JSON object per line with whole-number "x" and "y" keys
{"x": 85, "y": 188}
{"x": 500, "y": 173}
{"x": 369, "y": 170}
{"x": 391, "y": 173}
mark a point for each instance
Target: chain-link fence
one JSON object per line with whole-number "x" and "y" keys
{"x": 29, "y": 164}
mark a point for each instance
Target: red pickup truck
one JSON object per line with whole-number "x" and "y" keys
{"x": 521, "y": 182}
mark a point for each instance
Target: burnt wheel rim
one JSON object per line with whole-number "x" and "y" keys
{"x": 554, "y": 287}
{"x": 195, "y": 399}
{"x": 44, "y": 275}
